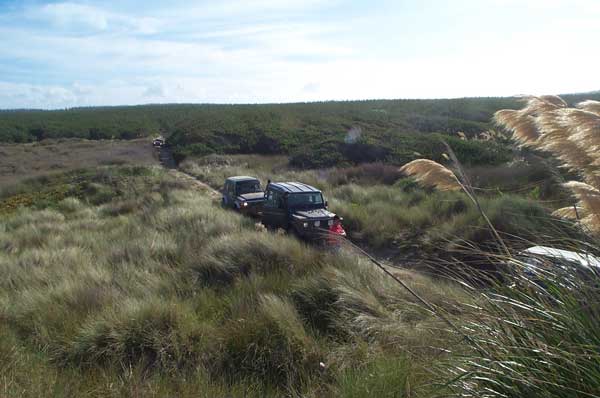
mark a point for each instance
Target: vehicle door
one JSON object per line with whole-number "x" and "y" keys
{"x": 274, "y": 213}
{"x": 224, "y": 193}
{"x": 229, "y": 194}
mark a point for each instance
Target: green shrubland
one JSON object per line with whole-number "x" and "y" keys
{"x": 312, "y": 134}
{"x": 267, "y": 128}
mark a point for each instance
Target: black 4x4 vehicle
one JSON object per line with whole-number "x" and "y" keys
{"x": 297, "y": 208}
{"x": 244, "y": 194}
{"x": 158, "y": 142}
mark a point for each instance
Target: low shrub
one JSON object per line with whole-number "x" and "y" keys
{"x": 367, "y": 174}
{"x": 69, "y": 205}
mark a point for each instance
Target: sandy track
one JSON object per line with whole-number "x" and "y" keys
{"x": 192, "y": 181}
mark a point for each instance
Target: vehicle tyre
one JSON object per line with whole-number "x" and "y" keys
{"x": 267, "y": 226}
{"x": 292, "y": 231}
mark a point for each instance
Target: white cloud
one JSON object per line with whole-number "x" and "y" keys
{"x": 69, "y": 15}
{"x": 271, "y": 51}
{"x": 84, "y": 18}
{"x": 156, "y": 91}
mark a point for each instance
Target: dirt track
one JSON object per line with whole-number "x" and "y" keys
{"x": 166, "y": 159}
{"x": 180, "y": 175}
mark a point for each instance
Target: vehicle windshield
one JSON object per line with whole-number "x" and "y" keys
{"x": 245, "y": 187}
{"x": 308, "y": 199}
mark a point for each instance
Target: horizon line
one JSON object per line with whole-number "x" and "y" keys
{"x": 515, "y": 96}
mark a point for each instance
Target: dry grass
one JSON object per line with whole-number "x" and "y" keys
{"x": 432, "y": 174}
{"x": 160, "y": 292}
{"x": 20, "y": 161}
{"x": 571, "y": 135}
{"x": 590, "y": 105}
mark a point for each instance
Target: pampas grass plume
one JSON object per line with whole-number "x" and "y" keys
{"x": 432, "y": 174}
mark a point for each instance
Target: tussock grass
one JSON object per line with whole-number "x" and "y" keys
{"x": 153, "y": 332}
{"x": 439, "y": 222}
{"x": 245, "y": 253}
{"x": 536, "y": 337}
{"x": 159, "y": 291}
{"x": 271, "y": 344}
{"x": 381, "y": 377}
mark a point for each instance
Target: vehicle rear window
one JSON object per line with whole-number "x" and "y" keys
{"x": 248, "y": 187}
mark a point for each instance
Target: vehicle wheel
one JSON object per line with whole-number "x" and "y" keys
{"x": 268, "y": 227}
{"x": 293, "y": 232}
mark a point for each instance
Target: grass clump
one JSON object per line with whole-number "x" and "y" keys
{"x": 316, "y": 299}
{"x": 382, "y": 377}
{"x": 242, "y": 254}
{"x": 536, "y": 338}
{"x": 271, "y": 345}
{"x": 156, "y": 333}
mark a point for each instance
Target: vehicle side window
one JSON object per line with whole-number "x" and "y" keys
{"x": 270, "y": 200}
{"x": 226, "y": 188}
{"x": 274, "y": 200}
{"x": 231, "y": 190}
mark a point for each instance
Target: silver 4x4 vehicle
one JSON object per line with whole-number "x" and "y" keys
{"x": 244, "y": 194}
{"x": 297, "y": 208}
{"x": 537, "y": 261}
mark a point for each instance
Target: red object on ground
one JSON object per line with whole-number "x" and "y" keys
{"x": 335, "y": 231}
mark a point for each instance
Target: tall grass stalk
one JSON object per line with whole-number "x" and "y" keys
{"x": 539, "y": 329}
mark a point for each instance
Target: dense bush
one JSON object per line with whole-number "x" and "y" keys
{"x": 397, "y": 149}
{"x": 266, "y": 129}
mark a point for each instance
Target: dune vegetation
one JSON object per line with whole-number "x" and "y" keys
{"x": 536, "y": 336}
{"x": 391, "y": 214}
{"x": 131, "y": 281}
{"x": 157, "y": 291}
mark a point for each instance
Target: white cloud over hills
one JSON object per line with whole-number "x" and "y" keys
{"x": 64, "y": 54}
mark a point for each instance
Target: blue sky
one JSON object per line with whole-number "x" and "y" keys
{"x": 79, "y": 53}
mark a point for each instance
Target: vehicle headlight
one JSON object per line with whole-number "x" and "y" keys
{"x": 330, "y": 223}
{"x": 244, "y": 204}
{"x": 317, "y": 223}
{"x": 305, "y": 225}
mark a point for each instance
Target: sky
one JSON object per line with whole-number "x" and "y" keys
{"x": 60, "y": 54}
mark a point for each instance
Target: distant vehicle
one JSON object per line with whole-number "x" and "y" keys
{"x": 244, "y": 194}
{"x": 297, "y": 208}
{"x": 158, "y": 142}
{"x": 538, "y": 260}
